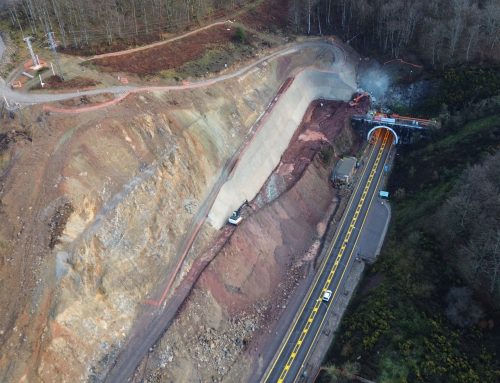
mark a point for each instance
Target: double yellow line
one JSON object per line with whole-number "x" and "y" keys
{"x": 347, "y": 237}
{"x": 343, "y": 272}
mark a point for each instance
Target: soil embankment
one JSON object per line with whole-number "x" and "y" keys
{"x": 95, "y": 209}
{"x": 174, "y": 54}
{"x": 222, "y": 331}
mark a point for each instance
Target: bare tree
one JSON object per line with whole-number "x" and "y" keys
{"x": 470, "y": 225}
{"x": 491, "y": 22}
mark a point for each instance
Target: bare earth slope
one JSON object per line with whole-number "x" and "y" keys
{"x": 95, "y": 207}
{"x": 225, "y": 331}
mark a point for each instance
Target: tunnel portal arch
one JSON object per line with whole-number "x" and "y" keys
{"x": 370, "y": 132}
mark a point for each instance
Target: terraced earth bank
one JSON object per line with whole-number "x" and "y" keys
{"x": 227, "y": 329}
{"x": 95, "y": 206}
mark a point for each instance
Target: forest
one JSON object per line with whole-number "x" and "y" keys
{"x": 441, "y": 32}
{"x": 89, "y": 22}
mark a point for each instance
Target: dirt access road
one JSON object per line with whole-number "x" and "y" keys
{"x": 152, "y": 323}
{"x": 157, "y": 44}
{"x": 123, "y": 91}
{"x": 155, "y": 321}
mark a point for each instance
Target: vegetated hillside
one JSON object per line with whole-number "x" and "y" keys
{"x": 464, "y": 93}
{"x": 427, "y": 310}
{"x": 470, "y": 224}
{"x": 100, "y": 25}
{"x": 442, "y": 31}
{"x": 83, "y": 23}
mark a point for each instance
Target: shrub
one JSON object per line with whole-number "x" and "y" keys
{"x": 240, "y": 35}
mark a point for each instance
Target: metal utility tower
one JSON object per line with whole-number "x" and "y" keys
{"x": 53, "y": 46}
{"x": 34, "y": 57}
{"x": 11, "y": 108}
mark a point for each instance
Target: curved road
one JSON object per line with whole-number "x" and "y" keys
{"x": 301, "y": 338}
{"x": 40, "y": 98}
{"x": 154, "y": 321}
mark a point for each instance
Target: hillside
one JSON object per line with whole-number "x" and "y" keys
{"x": 130, "y": 131}
{"x": 422, "y": 314}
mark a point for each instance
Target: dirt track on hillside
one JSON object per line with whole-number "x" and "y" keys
{"x": 167, "y": 56}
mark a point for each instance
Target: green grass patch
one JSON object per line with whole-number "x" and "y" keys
{"x": 213, "y": 60}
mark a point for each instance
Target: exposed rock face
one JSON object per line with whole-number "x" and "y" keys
{"x": 134, "y": 176}
{"x": 246, "y": 287}
{"x": 229, "y": 320}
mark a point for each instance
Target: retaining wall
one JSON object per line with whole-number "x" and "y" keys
{"x": 264, "y": 152}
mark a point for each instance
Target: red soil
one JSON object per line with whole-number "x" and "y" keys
{"x": 55, "y": 82}
{"x": 266, "y": 254}
{"x": 168, "y": 56}
{"x": 320, "y": 126}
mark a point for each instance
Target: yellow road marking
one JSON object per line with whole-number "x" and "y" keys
{"x": 318, "y": 275}
{"x": 342, "y": 276}
{"x": 340, "y": 254}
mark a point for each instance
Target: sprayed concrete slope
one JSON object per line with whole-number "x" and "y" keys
{"x": 265, "y": 151}
{"x": 104, "y": 200}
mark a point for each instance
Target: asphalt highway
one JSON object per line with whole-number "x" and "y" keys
{"x": 308, "y": 323}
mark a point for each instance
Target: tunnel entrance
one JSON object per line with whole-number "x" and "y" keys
{"x": 406, "y": 130}
{"x": 372, "y": 130}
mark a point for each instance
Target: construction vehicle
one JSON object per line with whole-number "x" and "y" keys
{"x": 357, "y": 99}
{"x": 236, "y": 217}
{"x": 16, "y": 84}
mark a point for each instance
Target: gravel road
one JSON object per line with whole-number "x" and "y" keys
{"x": 40, "y": 98}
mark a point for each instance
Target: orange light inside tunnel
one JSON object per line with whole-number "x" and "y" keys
{"x": 379, "y": 133}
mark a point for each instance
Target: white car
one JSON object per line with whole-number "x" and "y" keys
{"x": 327, "y": 295}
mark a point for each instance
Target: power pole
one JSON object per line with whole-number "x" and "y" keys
{"x": 34, "y": 58}
{"x": 53, "y": 46}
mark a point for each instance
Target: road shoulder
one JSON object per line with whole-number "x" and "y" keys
{"x": 373, "y": 235}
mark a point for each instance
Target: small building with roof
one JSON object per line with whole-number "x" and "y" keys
{"x": 344, "y": 171}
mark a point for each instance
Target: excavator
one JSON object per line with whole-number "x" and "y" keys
{"x": 356, "y": 100}
{"x": 236, "y": 217}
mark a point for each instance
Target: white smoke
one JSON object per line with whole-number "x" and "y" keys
{"x": 374, "y": 80}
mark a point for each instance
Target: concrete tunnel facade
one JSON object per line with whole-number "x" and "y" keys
{"x": 370, "y": 132}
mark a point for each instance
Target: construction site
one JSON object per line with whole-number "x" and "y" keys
{"x": 116, "y": 186}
